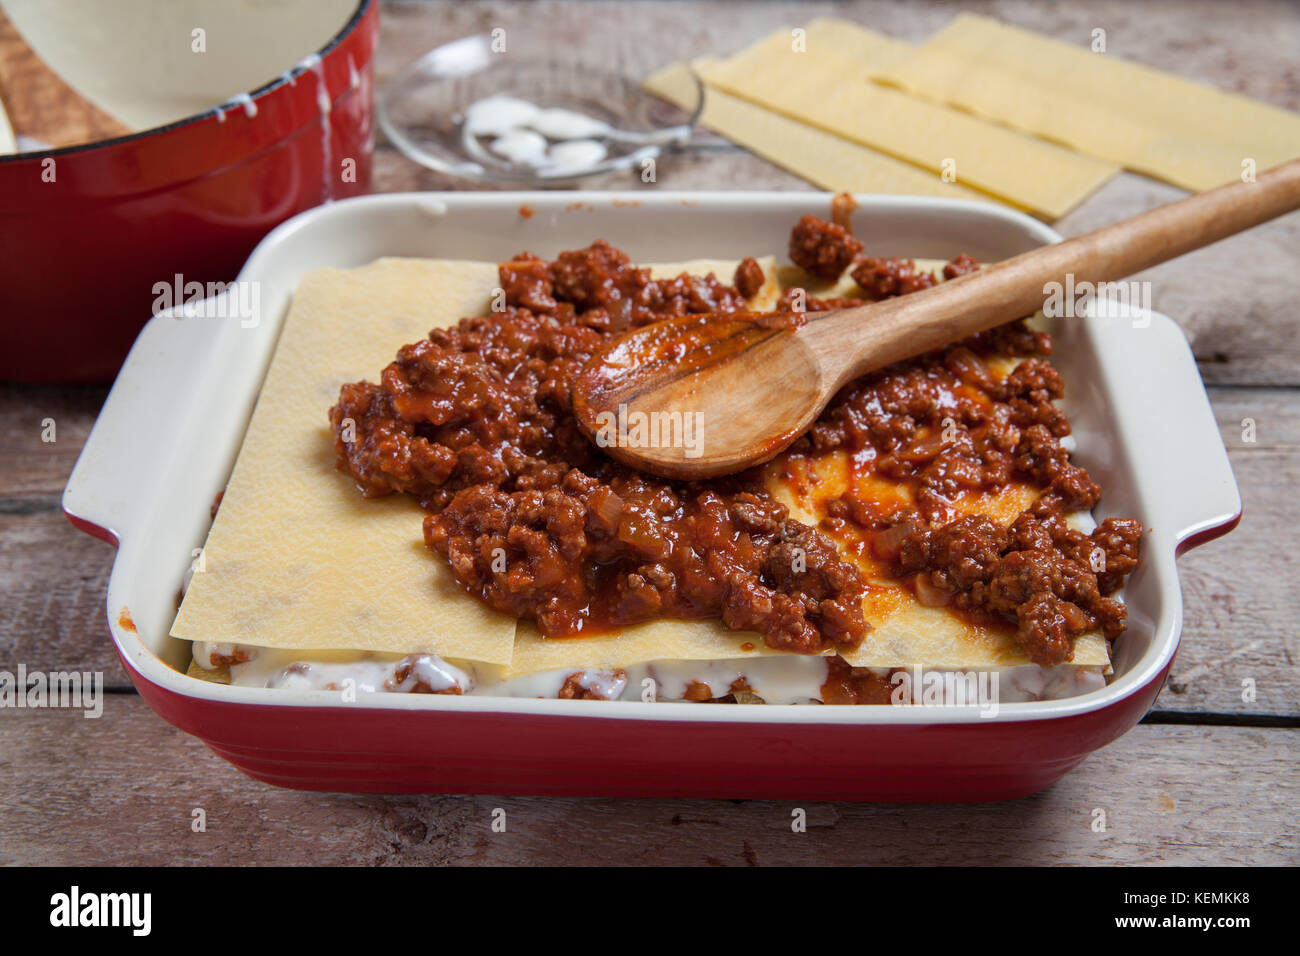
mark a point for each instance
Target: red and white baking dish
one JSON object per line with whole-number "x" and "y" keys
{"x": 168, "y": 435}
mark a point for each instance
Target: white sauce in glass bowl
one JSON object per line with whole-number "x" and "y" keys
{"x": 567, "y": 124}
{"x": 550, "y": 141}
{"x": 520, "y": 146}
{"x": 498, "y": 115}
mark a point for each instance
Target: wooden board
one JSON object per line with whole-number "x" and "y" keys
{"x": 41, "y": 105}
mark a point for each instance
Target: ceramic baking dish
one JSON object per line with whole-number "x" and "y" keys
{"x": 169, "y": 432}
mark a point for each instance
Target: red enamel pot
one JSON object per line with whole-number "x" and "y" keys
{"x": 96, "y": 238}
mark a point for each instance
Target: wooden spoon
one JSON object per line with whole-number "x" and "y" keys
{"x": 739, "y": 388}
{"x": 40, "y": 105}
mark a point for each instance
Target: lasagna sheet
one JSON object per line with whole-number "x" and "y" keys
{"x": 826, "y": 81}
{"x": 831, "y": 162}
{"x": 1155, "y": 123}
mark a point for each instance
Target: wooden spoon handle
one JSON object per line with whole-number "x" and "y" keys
{"x": 849, "y": 344}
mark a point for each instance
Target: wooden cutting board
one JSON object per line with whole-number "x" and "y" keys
{"x": 42, "y": 106}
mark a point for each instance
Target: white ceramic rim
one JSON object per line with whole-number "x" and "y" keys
{"x": 110, "y": 485}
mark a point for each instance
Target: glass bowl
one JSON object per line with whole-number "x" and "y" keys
{"x": 526, "y": 117}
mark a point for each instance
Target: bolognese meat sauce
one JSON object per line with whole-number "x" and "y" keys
{"x": 475, "y": 423}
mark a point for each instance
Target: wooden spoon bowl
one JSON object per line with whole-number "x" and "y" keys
{"x": 674, "y": 381}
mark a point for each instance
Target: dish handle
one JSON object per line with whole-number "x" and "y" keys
{"x": 1174, "y": 439}
{"x": 134, "y": 445}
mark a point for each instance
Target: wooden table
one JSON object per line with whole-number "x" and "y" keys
{"x": 1207, "y": 778}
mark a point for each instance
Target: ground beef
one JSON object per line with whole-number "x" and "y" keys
{"x": 879, "y": 279}
{"x": 856, "y": 685}
{"x": 575, "y": 688}
{"x": 407, "y": 668}
{"x": 590, "y": 554}
{"x": 697, "y": 691}
{"x": 749, "y": 278}
{"x": 822, "y": 248}
{"x": 475, "y": 423}
{"x": 885, "y": 278}
{"x": 946, "y": 427}
{"x": 796, "y": 299}
{"x": 1038, "y": 574}
{"x": 526, "y": 281}
{"x": 1119, "y": 542}
{"x": 484, "y": 403}
{"x": 961, "y": 266}
{"x": 960, "y": 553}
{"x": 1030, "y": 390}
{"x": 238, "y": 655}
{"x": 843, "y": 206}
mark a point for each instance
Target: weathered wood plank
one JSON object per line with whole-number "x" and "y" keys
{"x": 53, "y": 577}
{"x": 42, "y": 429}
{"x": 1233, "y": 299}
{"x": 1241, "y": 606}
{"x": 55, "y": 580}
{"x": 1170, "y": 795}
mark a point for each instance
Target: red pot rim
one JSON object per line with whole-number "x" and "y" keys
{"x": 286, "y": 78}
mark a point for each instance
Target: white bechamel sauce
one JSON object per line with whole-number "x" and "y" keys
{"x": 312, "y": 64}
{"x": 777, "y": 679}
{"x": 205, "y": 651}
{"x": 488, "y": 682}
{"x": 605, "y": 684}
{"x": 1020, "y": 684}
{"x": 521, "y": 146}
{"x": 783, "y": 680}
{"x": 574, "y": 154}
{"x": 498, "y": 115}
{"x": 433, "y": 208}
{"x": 552, "y": 141}
{"x": 331, "y": 670}
{"x": 365, "y": 677}
{"x": 243, "y": 101}
{"x": 567, "y": 124}
{"x": 431, "y": 671}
